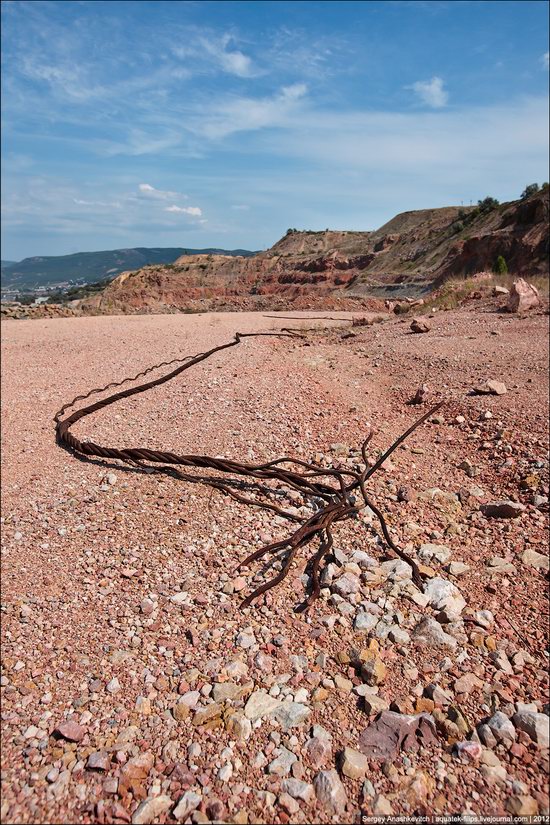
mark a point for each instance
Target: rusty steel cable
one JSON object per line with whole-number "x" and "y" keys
{"x": 331, "y": 489}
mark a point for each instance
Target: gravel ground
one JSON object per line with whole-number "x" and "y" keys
{"x": 134, "y": 689}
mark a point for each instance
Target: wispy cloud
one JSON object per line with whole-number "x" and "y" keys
{"x": 243, "y": 114}
{"x": 187, "y": 210}
{"x": 545, "y": 60}
{"x": 114, "y": 204}
{"x": 148, "y": 191}
{"x": 431, "y": 92}
{"x": 229, "y": 58}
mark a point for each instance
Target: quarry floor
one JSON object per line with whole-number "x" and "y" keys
{"x": 94, "y": 552}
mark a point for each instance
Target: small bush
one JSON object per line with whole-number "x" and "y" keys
{"x": 487, "y": 205}
{"x": 529, "y": 190}
{"x": 500, "y": 267}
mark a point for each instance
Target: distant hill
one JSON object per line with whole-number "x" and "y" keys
{"x": 89, "y": 267}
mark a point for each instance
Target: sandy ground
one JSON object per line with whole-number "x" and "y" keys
{"x": 94, "y": 552}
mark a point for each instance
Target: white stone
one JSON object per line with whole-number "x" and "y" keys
{"x": 189, "y": 802}
{"x": 260, "y": 704}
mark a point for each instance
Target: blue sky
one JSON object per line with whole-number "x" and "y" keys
{"x": 223, "y": 124}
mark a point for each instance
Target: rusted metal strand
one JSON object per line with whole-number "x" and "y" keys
{"x": 310, "y": 480}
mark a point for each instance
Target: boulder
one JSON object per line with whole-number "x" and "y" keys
{"x": 419, "y": 325}
{"x": 523, "y": 296}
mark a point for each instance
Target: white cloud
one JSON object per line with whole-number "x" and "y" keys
{"x": 232, "y": 61}
{"x": 188, "y": 210}
{"x": 149, "y": 191}
{"x": 431, "y": 92}
{"x": 236, "y": 63}
{"x": 115, "y": 204}
{"x": 545, "y": 60}
{"x": 242, "y": 114}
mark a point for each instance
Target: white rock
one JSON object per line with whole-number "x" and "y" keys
{"x": 444, "y": 595}
{"x": 363, "y": 559}
{"x": 431, "y": 632}
{"x": 364, "y": 622}
{"x": 150, "y": 809}
{"x": 502, "y": 728}
{"x": 189, "y": 802}
{"x": 440, "y": 552}
{"x": 246, "y": 640}
{"x": 291, "y": 714}
{"x": 347, "y": 584}
{"x": 260, "y": 704}
{"x": 329, "y": 791}
{"x": 180, "y": 598}
{"x": 282, "y": 764}
{"x": 535, "y": 725}
{"x": 225, "y": 773}
{"x": 298, "y": 789}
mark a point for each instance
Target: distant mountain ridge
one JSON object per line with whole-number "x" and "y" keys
{"x": 88, "y": 267}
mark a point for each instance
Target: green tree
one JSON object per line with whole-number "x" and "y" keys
{"x": 487, "y": 205}
{"x": 532, "y": 189}
{"x": 500, "y": 267}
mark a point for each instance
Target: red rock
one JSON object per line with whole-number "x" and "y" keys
{"x": 391, "y": 732}
{"x": 419, "y": 325}
{"x": 523, "y": 296}
{"x": 70, "y": 731}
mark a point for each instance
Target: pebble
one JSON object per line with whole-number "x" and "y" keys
{"x": 282, "y": 764}
{"x": 288, "y": 803}
{"x": 291, "y": 714}
{"x": 180, "y": 598}
{"x": 225, "y": 772}
{"x": 374, "y": 704}
{"x": 430, "y": 632}
{"x": 187, "y": 803}
{"x": 246, "y": 640}
{"x": 502, "y": 509}
{"x": 347, "y": 584}
{"x": 502, "y": 728}
{"x": 113, "y": 686}
{"x": 298, "y": 789}
{"x": 99, "y": 761}
{"x": 458, "y": 568}
{"x": 535, "y": 725}
{"x": 354, "y": 764}
{"x": 440, "y": 552}
{"x": 536, "y": 560}
{"x": 70, "y": 731}
{"x": 150, "y": 809}
{"x": 329, "y": 791}
{"x": 444, "y": 595}
{"x": 260, "y": 704}
{"x": 373, "y": 672}
{"x": 318, "y": 751}
{"x": 382, "y": 806}
{"x": 364, "y": 622}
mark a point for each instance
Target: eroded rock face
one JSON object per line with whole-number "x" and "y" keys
{"x": 523, "y": 296}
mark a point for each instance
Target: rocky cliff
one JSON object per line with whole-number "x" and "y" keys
{"x": 412, "y": 254}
